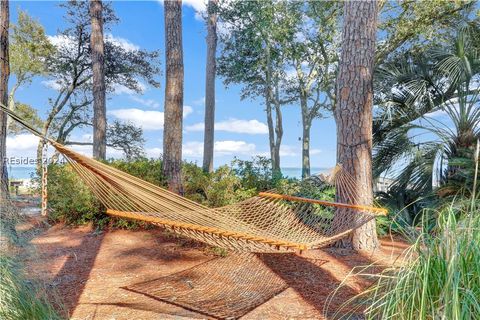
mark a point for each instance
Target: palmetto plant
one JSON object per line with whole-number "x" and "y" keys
{"x": 428, "y": 120}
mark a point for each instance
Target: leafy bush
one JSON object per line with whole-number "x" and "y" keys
{"x": 256, "y": 174}
{"x": 219, "y": 188}
{"x": 69, "y": 199}
{"x": 149, "y": 170}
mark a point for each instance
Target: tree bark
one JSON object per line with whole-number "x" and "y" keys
{"x": 278, "y": 130}
{"x": 353, "y": 115}
{"x": 306, "y": 149}
{"x": 98, "y": 68}
{"x": 306, "y": 125}
{"x": 275, "y": 131}
{"x": 172, "y": 135}
{"x": 271, "y": 129}
{"x": 5, "y": 73}
{"x": 209, "y": 136}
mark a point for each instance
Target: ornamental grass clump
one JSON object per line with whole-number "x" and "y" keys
{"x": 439, "y": 277}
{"x": 19, "y": 298}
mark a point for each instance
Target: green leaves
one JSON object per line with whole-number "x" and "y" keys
{"x": 29, "y": 114}
{"x": 29, "y": 48}
{"x": 428, "y": 113}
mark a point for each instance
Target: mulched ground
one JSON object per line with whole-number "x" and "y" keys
{"x": 87, "y": 272}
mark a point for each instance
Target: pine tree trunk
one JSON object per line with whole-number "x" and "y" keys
{"x": 353, "y": 115}
{"x": 99, "y": 107}
{"x": 5, "y": 73}
{"x": 172, "y": 135}
{"x": 209, "y": 137}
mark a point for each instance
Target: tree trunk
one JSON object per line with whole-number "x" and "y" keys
{"x": 271, "y": 130}
{"x": 172, "y": 135}
{"x": 306, "y": 150}
{"x": 11, "y": 102}
{"x": 98, "y": 68}
{"x": 306, "y": 125}
{"x": 278, "y": 130}
{"x": 275, "y": 132}
{"x": 5, "y": 73}
{"x": 210, "y": 87}
{"x": 353, "y": 115}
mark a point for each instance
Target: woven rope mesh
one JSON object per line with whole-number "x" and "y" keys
{"x": 223, "y": 287}
{"x": 267, "y": 223}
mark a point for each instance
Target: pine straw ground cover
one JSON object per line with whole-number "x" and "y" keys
{"x": 90, "y": 271}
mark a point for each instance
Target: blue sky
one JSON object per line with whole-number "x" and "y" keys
{"x": 241, "y": 125}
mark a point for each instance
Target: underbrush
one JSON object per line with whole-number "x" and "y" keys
{"x": 70, "y": 201}
{"x": 20, "y": 298}
{"x": 438, "y": 277}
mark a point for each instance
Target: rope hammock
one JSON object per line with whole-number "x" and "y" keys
{"x": 269, "y": 222}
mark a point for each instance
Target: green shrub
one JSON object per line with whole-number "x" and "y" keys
{"x": 69, "y": 199}
{"x": 149, "y": 170}
{"x": 219, "y": 188}
{"x": 256, "y": 174}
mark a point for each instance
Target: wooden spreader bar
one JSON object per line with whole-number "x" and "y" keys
{"x": 210, "y": 230}
{"x": 379, "y": 211}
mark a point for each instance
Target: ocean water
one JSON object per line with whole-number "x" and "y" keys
{"x": 297, "y": 172}
{"x": 21, "y": 172}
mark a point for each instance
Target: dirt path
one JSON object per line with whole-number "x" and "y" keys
{"x": 89, "y": 270}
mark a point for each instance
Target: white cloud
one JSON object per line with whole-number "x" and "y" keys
{"x": 197, "y": 127}
{"x": 121, "y": 42}
{"x": 243, "y": 126}
{"x": 289, "y": 151}
{"x": 22, "y": 142}
{"x": 292, "y": 151}
{"x": 146, "y": 102}
{"x": 148, "y": 120}
{"x": 153, "y": 152}
{"x": 200, "y": 6}
{"x": 121, "y": 89}
{"x": 23, "y": 147}
{"x": 87, "y": 150}
{"x": 235, "y": 125}
{"x": 52, "y": 84}
{"x": 194, "y": 149}
{"x": 61, "y": 40}
{"x": 230, "y": 147}
{"x": 87, "y": 137}
{"x": 187, "y": 110}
